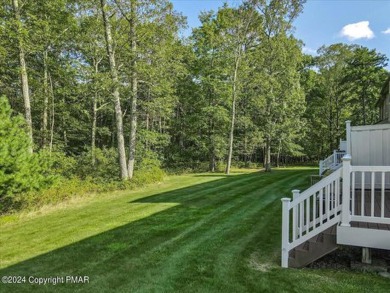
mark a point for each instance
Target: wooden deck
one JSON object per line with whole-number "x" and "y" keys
{"x": 357, "y": 211}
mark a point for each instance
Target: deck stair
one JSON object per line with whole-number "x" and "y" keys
{"x": 331, "y": 163}
{"x": 348, "y": 205}
{"x": 313, "y": 249}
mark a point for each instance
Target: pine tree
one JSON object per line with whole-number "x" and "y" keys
{"x": 20, "y": 170}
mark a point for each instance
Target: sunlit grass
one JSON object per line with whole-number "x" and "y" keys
{"x": 191, "y": 233}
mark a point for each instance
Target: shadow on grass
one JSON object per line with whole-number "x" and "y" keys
{"x": 167, "y": 248}
{"x": 212, "y": 175}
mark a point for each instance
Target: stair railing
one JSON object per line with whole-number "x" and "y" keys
{"x": 332, "y": 162}
{"x": 311, "y": 212}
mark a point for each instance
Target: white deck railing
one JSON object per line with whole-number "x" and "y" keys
{"x": 321, "y": 206}
{"x": 368, "y": 198}
{"x": 332, "y": 162}
{"x": 311, "y": 212}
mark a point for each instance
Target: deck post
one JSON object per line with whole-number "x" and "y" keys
{"x": 346, "y": 173}
{"x": 285, "y": 230}
{"x": 348, "y": 134}
{"x": 366, "y": 255}
{"x": 321, "y": 166}
{"x": 295, "y": 218}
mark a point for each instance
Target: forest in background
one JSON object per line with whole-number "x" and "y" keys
{"x": 99, "y": 94}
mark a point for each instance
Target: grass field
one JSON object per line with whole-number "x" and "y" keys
{"x": 191, "y": 233}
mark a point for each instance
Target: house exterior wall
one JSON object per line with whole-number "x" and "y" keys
{"x": 370, "y": 145}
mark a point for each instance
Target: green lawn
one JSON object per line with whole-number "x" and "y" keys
{"x": 191, "y": 233}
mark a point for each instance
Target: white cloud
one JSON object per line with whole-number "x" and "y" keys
{"x": 309, "y": 51}
{"x": 359, "y": 30}
{"x": 386, "y": 32}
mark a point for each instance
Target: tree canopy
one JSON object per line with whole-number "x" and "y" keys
{"x": 119, "y": 79}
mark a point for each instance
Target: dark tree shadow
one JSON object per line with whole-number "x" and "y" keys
{"x": 127, "y": 257}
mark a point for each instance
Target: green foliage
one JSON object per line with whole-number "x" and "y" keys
{"x": 147, "y": 176}
{"x": 63, "y": 190}
{"x": 20, "y": 171}
{"x": 344, "y": 85}
{"x": 286, "y": 105}
{"x": 104, "y": 169}
{"x": 363, "y": 78}
{"x": 59, "y": 164}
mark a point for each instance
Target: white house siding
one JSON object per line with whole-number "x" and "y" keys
{"x": 370, "y": 146}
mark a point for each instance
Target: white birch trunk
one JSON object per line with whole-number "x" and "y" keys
{"x": 23, "y": 74}
{"x": 117, "y": 103}
{"x": 233, "y": 117}
{"x": 45, "y": 100}
{"x": 134, "y": 90}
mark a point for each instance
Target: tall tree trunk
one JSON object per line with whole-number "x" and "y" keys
{"x": 212, "y": 162}
{"x": 268, "y": 155}
{"x": 134, "y": 89}
{"x": 93, "y": 130}
{"x": 63, "y": 122}
{"x": 211, "y": 145}
{"x": 233, "y": 117}
{"x": 246, "y": 151}
{"x": 94, "y": 116}
{"x": 52, "y": 115}
{"x": 278, "y": 154}
{"x": 45, "y": 100}
{"x": 238, "y": 54}
{"x": 93, "y": 134}
{"x": 23, "y": 74}
{"x": 117, "y": 103}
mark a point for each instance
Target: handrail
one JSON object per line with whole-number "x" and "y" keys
{"x": 370, "y": 168}
{"x": 312, "y": 211}
{"x": 316, "y": 187}
{"x": 361, "y": 188}
{"x": 332, "y": 162}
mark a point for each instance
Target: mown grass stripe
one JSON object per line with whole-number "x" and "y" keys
{"x": 218, "y": 234}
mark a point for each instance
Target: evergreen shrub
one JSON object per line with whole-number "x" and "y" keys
{"x": 20, "y": 171}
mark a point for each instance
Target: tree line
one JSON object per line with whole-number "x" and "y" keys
{"x": 91, "y": 76}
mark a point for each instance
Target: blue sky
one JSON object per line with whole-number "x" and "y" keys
{"x": 323, "y": 22}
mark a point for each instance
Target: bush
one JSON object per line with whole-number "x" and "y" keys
{"x": 147, "y": 176}
{"x": 29, "y": 181}
{"x": 64, "y": 189}
{"x": 20, "y": 171}
{"x": 105, "y": 169}
{"x": 251, "y": 165}
{"x": 60, "y": 164}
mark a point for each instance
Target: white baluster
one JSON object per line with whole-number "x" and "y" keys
{"x": 285, "y": 231}
{"x": 346, "y": 173}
